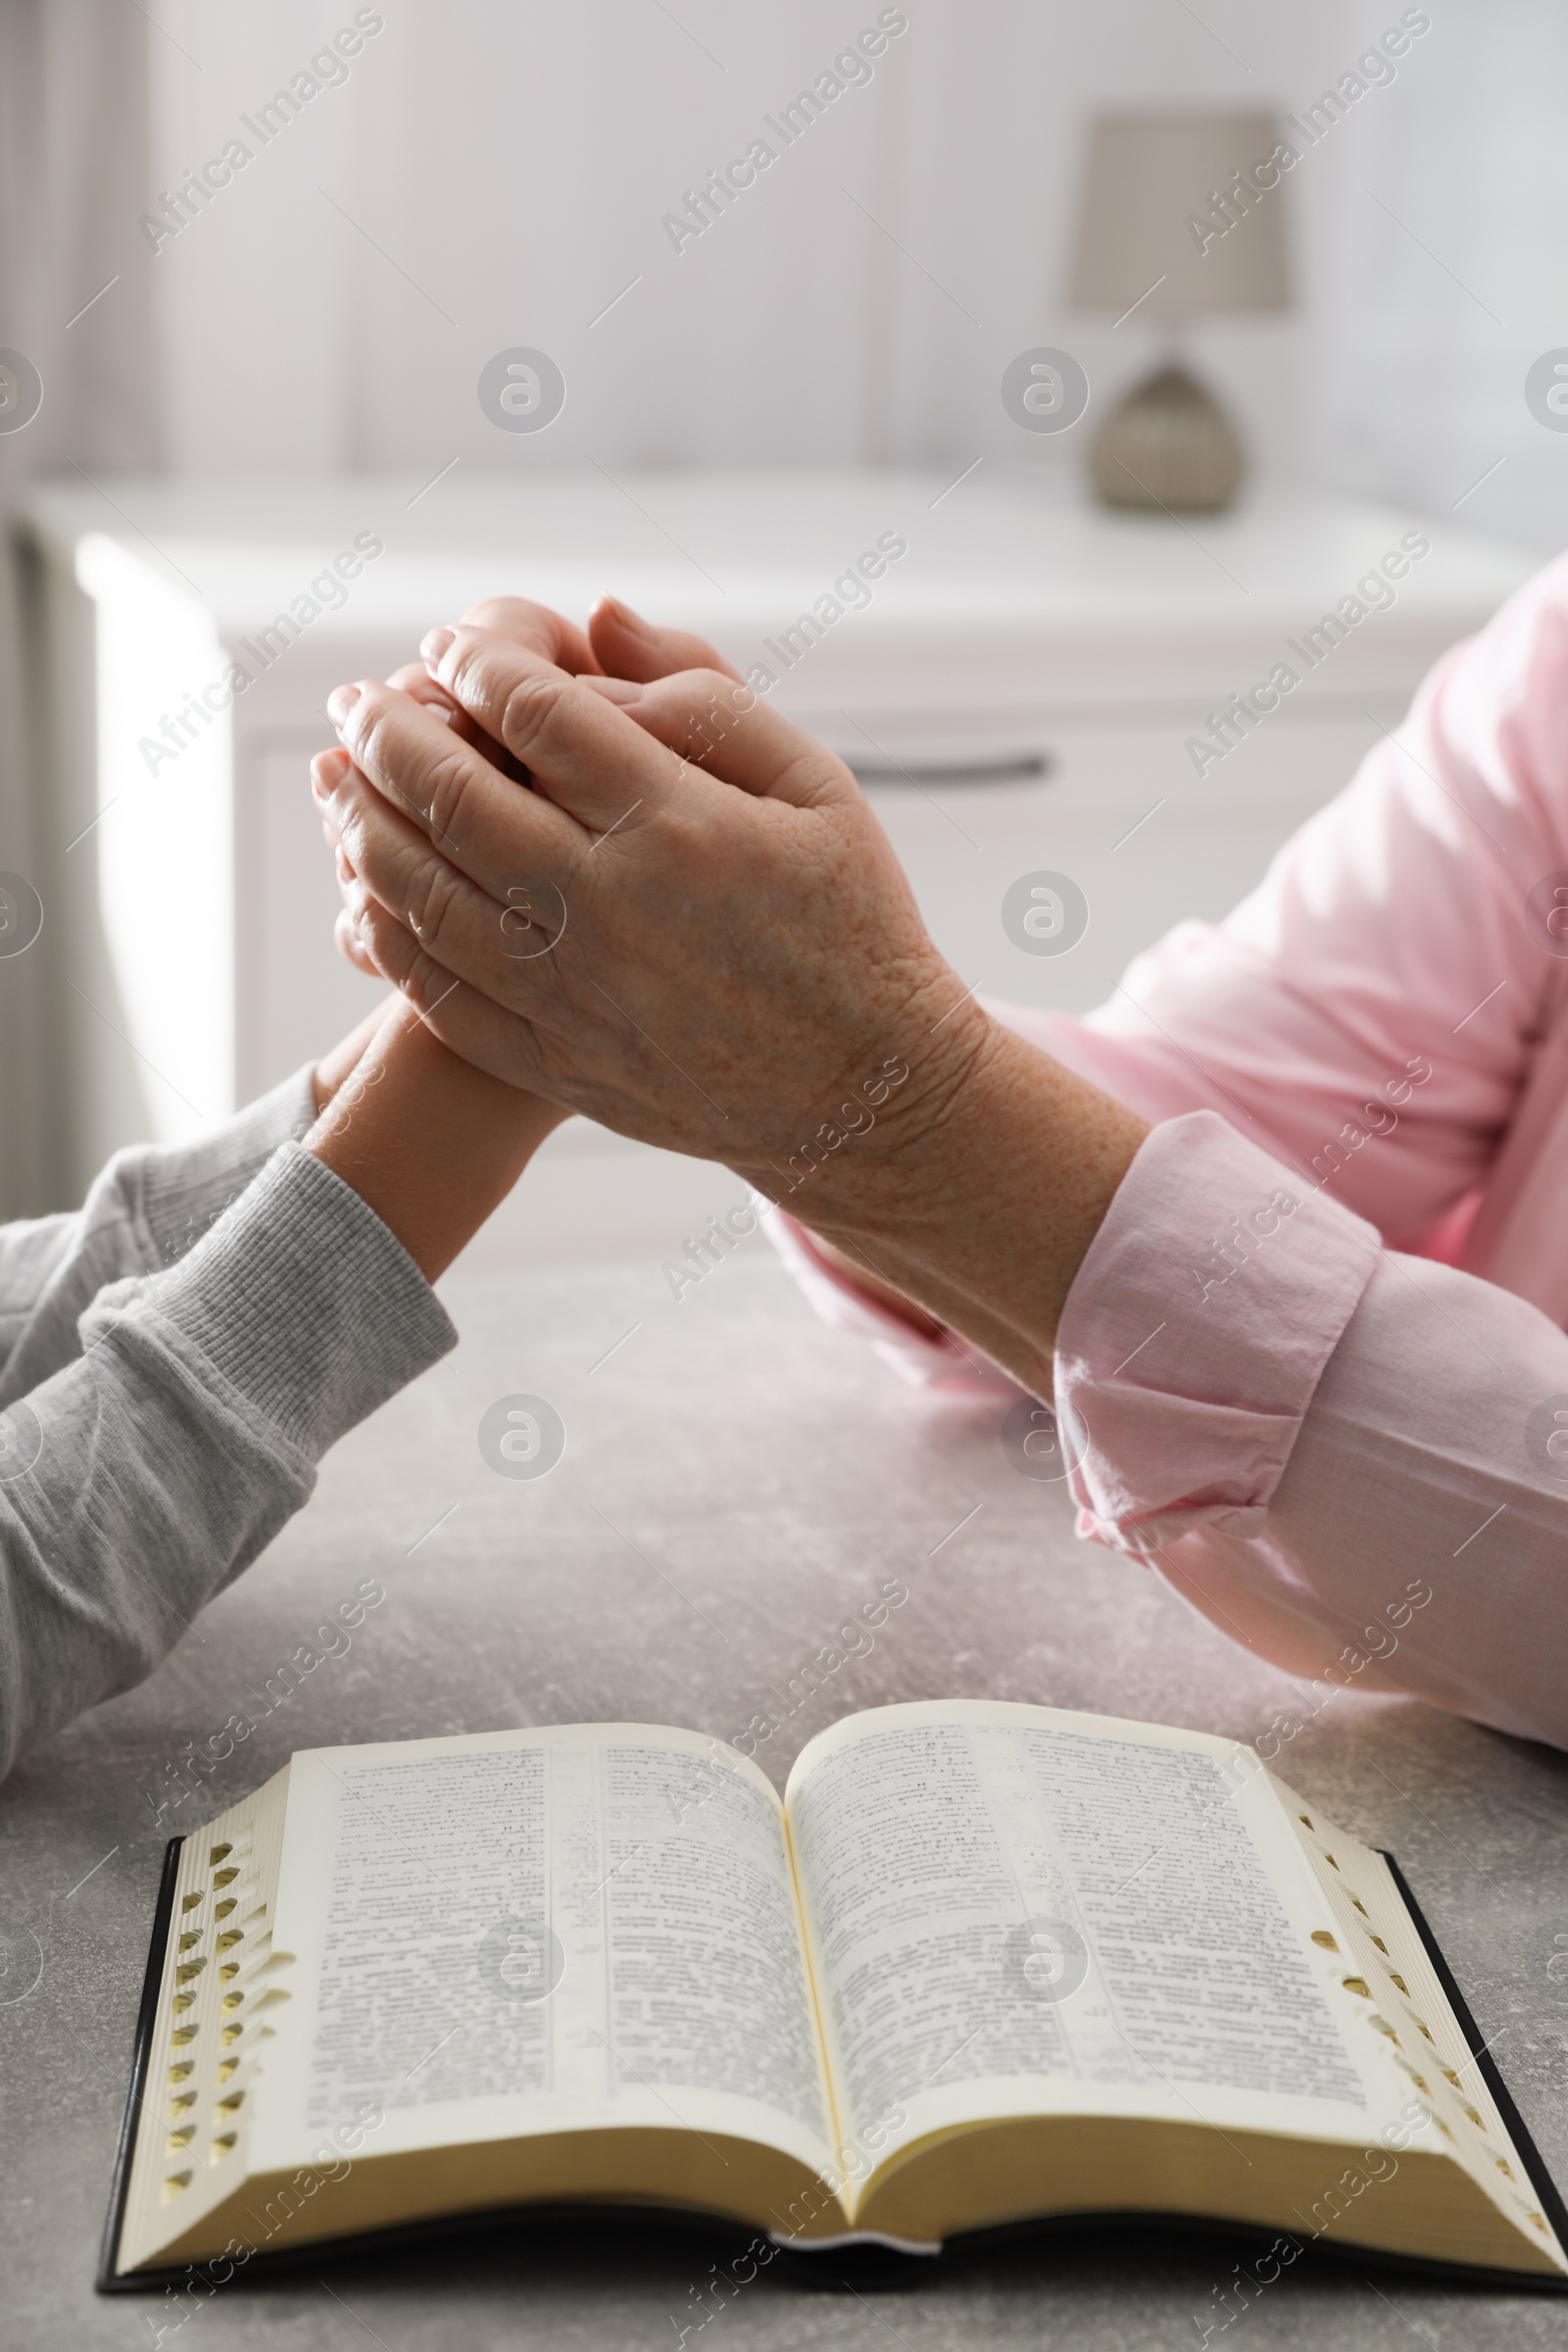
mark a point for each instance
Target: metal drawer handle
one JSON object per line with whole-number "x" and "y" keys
{"x": 1018, "y": 767}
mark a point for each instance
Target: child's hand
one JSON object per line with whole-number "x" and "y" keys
{"x": 429, "y": 1144}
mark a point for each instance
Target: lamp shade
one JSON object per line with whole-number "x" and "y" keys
{"x": 1186, "y": 211}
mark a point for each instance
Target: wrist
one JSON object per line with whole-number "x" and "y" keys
{"x": 992, "y": 1190}
{"x": 879, "y": 1139}
{"x": 429, "y": 1143}
{"x": 335, "y": 1067}
{"x": 887, "y": 1153}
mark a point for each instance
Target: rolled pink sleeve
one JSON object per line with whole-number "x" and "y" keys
{"x": 1196, "y": 1330}
{"x": 1351, "y": 1460}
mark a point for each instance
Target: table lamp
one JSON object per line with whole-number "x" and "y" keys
{"x": 1182, "y": 217}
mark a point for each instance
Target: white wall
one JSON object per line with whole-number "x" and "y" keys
{"x": 513, "y": 163}
{"x": 73, "y": 152}
{"x": 1453, "y": 275}
{"x": 504, "y": 170}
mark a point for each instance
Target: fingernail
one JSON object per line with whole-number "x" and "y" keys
{"x": 341, "y": 700}
{"x": 616, "y": 689}
{"x": 434, "y": 644}
{"x": 631, "y": 619}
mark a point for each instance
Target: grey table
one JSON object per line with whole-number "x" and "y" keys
{"x": 736, "y": 1479}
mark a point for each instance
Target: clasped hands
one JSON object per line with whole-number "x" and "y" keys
{"x": 603, "y": 871}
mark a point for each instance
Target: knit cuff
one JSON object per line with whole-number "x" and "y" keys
{"x": 302, "y": 1300}
{"x": 179, "y": 1193}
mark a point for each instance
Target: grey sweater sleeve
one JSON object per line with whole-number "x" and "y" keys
{"x": 145, "y": 1210}
{"x": 139, "y": 1479}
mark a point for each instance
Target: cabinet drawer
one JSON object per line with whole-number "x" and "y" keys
{"x": 1124, "y": 814}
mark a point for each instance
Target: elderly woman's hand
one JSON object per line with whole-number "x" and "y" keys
{"x": 729, "y": 964}
{"x": 658, "y": 902}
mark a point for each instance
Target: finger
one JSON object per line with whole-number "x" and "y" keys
{"x": 327, "y": 771}
{"x": 486, "y": 825}
{"x": 351, "y": 948}
{"x": 413, "y": 680}
{"x": 460, "y": 1016}
{"x": 537, "y": 630}
{"x": 337, "y": 770}
{"x": 573, "y": 742}
{"x": 493, "y": 941}
{"x": 723, "y": 727}
{"x": 629, "y": 647}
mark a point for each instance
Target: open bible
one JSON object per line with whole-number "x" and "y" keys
{"x": 984, "y": 1964}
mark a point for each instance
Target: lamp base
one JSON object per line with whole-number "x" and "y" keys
{"x": 1168, "y": 445}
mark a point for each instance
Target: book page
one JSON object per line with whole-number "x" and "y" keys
{"x": 1387, "y": 1966}
{"x": 223, "y": 1985}
{"x": 542, "y": 1931}
{"x": 1014, "y": 1909}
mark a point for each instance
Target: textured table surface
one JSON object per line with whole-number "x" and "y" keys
{"x": 736, "y": 1480}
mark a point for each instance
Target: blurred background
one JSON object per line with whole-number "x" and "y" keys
{"x": 229, "y": 397}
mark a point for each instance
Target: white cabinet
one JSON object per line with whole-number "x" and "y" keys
{"x": 1120, "y": 813}
{"x": 1029, "y": 676}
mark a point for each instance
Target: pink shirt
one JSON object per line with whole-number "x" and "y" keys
{"x": 1317, "y": 1348}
